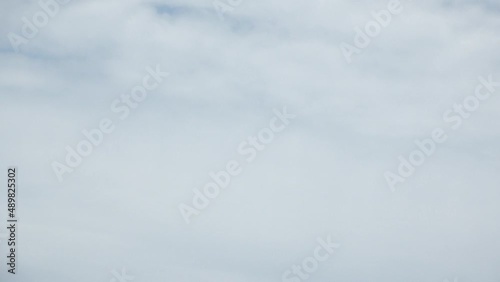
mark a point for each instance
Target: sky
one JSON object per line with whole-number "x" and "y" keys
{"x": 214, "y": 75}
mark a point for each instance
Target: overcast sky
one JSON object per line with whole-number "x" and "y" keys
{"x": 228, "y": 74}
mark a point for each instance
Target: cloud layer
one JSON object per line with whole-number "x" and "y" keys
{"x": 323, "y": 175}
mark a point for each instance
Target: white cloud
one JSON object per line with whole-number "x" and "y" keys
{"x": 324, "y": 176}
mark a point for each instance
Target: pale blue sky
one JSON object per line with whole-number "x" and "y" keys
{"x": 323, "y": 175}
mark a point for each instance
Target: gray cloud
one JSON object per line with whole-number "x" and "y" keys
{"x": 323, "y": 175}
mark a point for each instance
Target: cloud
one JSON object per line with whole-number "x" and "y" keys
{"x": 322, "y": 176}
